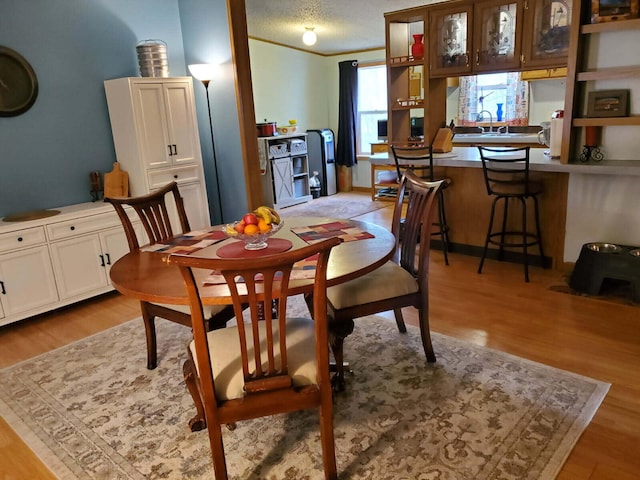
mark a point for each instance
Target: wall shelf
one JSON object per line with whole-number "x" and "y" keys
{"x": 619, "y": 25}
{"x": 609, "y": 73}
{"x": 609, "y": 121}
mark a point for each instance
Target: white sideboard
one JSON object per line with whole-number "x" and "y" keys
{"x": 155, "y": 134}
{"x": 59, "y": 260}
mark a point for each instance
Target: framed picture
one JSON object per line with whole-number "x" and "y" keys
{"x": 611, "y": 10}
{"x": 608, "y": 103}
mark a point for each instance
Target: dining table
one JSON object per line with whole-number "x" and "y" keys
{"x": 145, "y": 275}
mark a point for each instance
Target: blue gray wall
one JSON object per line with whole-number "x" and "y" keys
{"x": 47, "y": 153}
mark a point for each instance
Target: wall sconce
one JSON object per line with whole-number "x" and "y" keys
{"x": 309, "y": 37}
{"x": 205, "y": 72}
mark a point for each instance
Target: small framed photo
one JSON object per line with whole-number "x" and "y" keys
{"x": 611, "y": 10}
{"x": 608, "y": 103}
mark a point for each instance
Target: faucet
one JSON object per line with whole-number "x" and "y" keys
{"x": 505, "y": 127}
{"x": 481, "y": 116}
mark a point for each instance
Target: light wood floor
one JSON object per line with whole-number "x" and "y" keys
{"x": 497, "y": 309}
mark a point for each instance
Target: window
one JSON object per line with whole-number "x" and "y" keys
{"x": 372, "y": 105}
{"x": 495, "y": 97}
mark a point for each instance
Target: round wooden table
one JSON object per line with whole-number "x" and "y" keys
{"x": 146, "y": 276}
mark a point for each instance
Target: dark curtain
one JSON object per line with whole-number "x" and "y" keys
{"x": 347, "y": 113}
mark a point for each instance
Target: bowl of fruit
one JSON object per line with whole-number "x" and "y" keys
{"x": 255, "y": 227}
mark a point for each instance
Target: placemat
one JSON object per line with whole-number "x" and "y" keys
{"x": 187, "y": 243}
{"x": 237, "y": 250}
{"x": 346, "y": 230}
{"x": 304, "y": 269}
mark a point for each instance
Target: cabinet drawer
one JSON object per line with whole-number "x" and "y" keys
{"x": 22, "y": 238}
{"x": 187, "y": 174}
{"x": 78, "y": 226}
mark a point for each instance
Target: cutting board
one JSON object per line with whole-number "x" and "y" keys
{"x": 116, "y": 182}
{"x": 443, "y": 141}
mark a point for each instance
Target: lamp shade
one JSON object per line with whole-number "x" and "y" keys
{"x": 309, "y": 37}
{"x": 204, "y": 71}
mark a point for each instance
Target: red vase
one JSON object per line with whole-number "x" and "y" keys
{"x": 417, "y": 49}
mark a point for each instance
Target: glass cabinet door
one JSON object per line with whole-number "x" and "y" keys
{"x": 546, "y": 39}
{"x": 450, "y": 41}
{"x": 496, "y": 43}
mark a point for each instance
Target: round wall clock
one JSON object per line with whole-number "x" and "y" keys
{"x": 18, "y": 83}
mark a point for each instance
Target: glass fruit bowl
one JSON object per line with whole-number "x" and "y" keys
{"x": 257, "y": 241}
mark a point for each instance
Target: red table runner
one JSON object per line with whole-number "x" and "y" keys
{"x": 345, "y": 229}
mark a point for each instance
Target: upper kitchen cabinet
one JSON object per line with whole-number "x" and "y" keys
{"x": 475, "y": 37}
{"x": 156, "y": 139}
{"x": 545, "y": 42}
{"x": 408, "y": 84}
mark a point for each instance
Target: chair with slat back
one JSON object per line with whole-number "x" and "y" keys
{"x": 399, "y": 283}
{"x": 422, "y": 156}
{"x": 506, "y": 177}
{"x": 268, "y": 363}
{"x": 154, "y": 216}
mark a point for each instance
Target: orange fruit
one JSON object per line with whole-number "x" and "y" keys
{"x": 263, "y": 226}
{"x": 251, "y": 229}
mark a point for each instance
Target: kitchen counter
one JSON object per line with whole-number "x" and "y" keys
{"x": 470, "y": 157}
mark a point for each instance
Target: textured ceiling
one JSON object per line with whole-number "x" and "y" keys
{"x": 341, "y": 25}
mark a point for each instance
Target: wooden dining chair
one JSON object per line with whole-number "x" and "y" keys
{"x": 153, "y": 213}
{"x": 422, "y": 155}
{"x": 401, "y": 282}
{"x": 268, "y": 363}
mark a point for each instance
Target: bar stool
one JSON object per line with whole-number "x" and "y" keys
{"x": 419, "y": 159}
{"x": 506, "y": 176}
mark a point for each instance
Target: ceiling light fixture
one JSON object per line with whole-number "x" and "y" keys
{"x": 309, "y": 37}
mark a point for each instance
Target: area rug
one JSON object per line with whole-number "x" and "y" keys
{"x": 91, "y": 410}
{"x": 333, "y": 206}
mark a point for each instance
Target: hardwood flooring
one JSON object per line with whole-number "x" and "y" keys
{"x": 497, "y": 309}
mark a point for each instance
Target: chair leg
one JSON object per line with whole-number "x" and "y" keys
{"x": 525, "y": 239}
{"x": 198, "y": 422}
{"x": 338, "y": 331}
{"x": 217, "y": 452}
{"x": 327, "y": 439}
{"x": 538, "y": 230}
{"x": 505, "y": 215}
{"x": 150, "y": 332}
{"x": 444, "y": 227}
{"x": 397, "y": 312}
{"x": 488, "y": 237}
{"x": 425, "y": 334}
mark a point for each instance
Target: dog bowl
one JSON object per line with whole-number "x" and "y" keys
{"x": 604, "y": 247}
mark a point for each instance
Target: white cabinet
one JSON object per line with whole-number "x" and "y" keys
{"x": 156, "y": 139}
{"x": 54, "y": 261}
{"x": 82, "y": 263}
{"x": 286, "y": 169}
{"x": 26, "y": 280}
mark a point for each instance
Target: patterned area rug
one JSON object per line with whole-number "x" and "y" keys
{"x": 92, "y": 410}
{"x": 333, "y": 206}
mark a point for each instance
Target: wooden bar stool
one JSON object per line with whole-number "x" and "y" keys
{"x": 422, "y": 158}
{"x": 506, "y": 176}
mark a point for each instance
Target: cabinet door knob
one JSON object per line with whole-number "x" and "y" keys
{"x": 19, "y": 239}
{"x": 175, "y": 149}
{"x": 108, "y": 258}
{"x": 72, "y": 227}
{"x": 169, "y": 147}
{"x": 478, "y": 57}
{"x": 101, "y": 260}
{"x": 175, "y": 176}
{"x": 3, "y": 291}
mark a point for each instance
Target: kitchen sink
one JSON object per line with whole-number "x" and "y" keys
{"x": 492, "y": 134}
{"x": 493, "y": 137}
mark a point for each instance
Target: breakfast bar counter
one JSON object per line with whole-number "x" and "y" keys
{"x": 468, "y": 205}
{"x": 470, "y": 157}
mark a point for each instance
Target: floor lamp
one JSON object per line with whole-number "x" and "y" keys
{"x": 205, "y": 72}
